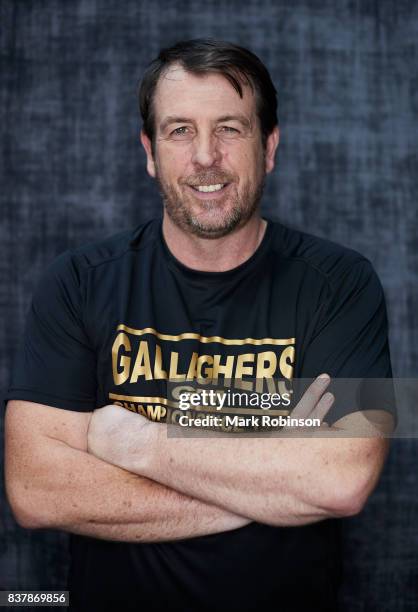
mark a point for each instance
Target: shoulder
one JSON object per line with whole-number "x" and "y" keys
{"x": 74, "y": 263}
{"x": 332, "y": 262}
{"x": 66, "y": 279}
{"x": 115, "y": 246}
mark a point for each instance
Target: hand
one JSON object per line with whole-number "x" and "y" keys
{"x": 113, "y": 431}
{"x": 314, "y": 404}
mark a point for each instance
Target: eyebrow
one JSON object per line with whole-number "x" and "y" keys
{"x": 174, "y": 119}
{"x": 241, "y": 118}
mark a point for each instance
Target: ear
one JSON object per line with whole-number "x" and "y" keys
{"x": 271, "y": 146}
{"x": 146, "y": 143}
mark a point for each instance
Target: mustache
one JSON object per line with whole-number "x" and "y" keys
{"x": 214, "y": 177}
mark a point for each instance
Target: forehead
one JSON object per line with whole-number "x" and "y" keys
{"x": 183, "y": 93}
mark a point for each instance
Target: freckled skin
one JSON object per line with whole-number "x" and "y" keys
{"x": 202, "y": 148}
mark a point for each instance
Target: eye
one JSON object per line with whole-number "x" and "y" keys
{"x": 229, "y": 130}
{"x": 180, "y": 131}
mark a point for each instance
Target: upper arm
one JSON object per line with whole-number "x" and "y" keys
{"x": 350, "y": 342}
{"x": 56, "y": 361}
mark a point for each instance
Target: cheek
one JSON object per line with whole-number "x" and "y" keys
{"x": 243, "y": 160}
{"x": 174, "y": 163}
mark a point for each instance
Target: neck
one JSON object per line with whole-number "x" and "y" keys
{"x": 214, "y": 254}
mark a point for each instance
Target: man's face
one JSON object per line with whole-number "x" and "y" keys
{"x": 208, "y": 155}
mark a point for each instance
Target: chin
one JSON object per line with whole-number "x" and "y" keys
{"x": 210, "y": 232}
{"x": 216, "y": 226}
{"x": 209, "y": 219}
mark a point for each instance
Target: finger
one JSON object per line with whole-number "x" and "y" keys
{"x": 311, "y": 397}
{"x": 323, "y": 406}
{"x": 319, "y": 412}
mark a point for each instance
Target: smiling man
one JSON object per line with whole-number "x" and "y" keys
{"x": 210, "y": 165}
{"x": 210, "y": 292}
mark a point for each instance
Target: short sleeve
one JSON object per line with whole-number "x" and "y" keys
{"x": 56, "y": 363}
{"x": 350, "y": 341}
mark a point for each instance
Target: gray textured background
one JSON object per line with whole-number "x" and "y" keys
{"x": 72, "y": 170}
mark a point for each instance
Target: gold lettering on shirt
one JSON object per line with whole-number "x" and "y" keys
{"x": 142, "y": 365}
{"x": 224, "y": 370}
{"x": 174, "y": 362}
{"x": 207, "y": 372}
{"x": 191, "y": 373}
{"x": 287, "y": 359}
{"x": 242, "y": 370}
{"x": 148, "y": 359}
{"x": 154, "y": 412}
{"x": 120, "y": 360}
{"x": 158, "y": 367}
{"x": 266, "y": 364}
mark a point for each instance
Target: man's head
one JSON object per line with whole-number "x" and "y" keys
{"x": 210, "y": 132}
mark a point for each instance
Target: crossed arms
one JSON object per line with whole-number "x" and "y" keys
{"x": 112, "y": 474}
{"x": 53, "y": 482}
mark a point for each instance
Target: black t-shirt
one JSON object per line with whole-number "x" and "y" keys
{"x": 112, "y": 321}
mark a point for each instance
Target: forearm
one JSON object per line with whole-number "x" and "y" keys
{"x": 280, "y": 481}
{"x": 271, "y": 480}
{"x": 76, "y": 492}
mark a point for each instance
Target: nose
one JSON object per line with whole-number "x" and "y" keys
{"x": 206, "y": 150}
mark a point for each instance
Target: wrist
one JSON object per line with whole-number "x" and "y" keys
{"x": 143, "y": 455}
{"x": 123, "y": 438}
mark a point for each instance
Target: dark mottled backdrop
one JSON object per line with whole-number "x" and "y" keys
{"x": 72, "y": 170}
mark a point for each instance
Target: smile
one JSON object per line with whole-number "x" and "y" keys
{"x": 209, "y": 188}
{"x": 209, "y": 192}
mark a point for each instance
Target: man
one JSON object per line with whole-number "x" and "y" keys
{"x": 213, "y": 292}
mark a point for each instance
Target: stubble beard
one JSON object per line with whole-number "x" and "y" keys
{"x": 238, "y": 213}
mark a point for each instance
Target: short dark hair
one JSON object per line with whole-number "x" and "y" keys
{"x": 203, "y": 56}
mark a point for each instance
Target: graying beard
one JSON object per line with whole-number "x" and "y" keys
{"x": 236, "y": 219}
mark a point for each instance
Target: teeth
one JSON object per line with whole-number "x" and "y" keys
{"x": 208, "y": 188}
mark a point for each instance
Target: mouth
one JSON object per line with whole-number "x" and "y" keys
{"x": 209, "y": 192}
